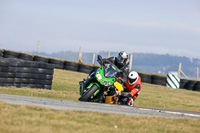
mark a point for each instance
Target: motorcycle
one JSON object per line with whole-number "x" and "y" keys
{"x": 100, "y": 83}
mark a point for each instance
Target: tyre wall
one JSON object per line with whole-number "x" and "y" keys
{"x": 22, "y": 73}
{"x": 87, "y": 68}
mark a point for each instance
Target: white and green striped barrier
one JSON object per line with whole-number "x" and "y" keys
{"x": 172, "y": 81}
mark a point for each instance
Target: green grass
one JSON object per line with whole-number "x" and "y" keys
{"x": 32, "y": 119}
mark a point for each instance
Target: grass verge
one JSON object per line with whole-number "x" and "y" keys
{"x": 31, "y": 119}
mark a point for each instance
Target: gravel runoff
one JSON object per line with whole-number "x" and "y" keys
{"x": 100, "y": 107}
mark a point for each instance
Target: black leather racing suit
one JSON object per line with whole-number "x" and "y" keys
{"x": 124, "y": 69}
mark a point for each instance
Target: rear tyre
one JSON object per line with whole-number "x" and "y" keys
{"x": 88, "y": 94}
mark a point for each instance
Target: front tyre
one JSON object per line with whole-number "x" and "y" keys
{"x": 89, "y": 94}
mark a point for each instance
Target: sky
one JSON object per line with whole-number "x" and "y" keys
{"x": 135, "y": 26}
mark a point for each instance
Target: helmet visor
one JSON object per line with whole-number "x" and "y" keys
{"x": 120, "y": 59}
{"x": 132, "y": 81}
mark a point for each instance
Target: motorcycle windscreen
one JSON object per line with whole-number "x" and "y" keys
{"x": 110, "y": 71}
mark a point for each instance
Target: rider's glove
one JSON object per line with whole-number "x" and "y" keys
{"x": 118, "y": 93}
{"x": 126, "y": 94}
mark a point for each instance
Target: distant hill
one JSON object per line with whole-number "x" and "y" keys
{"x": 151, "y": 63}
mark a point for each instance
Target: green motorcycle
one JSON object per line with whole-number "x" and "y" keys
{"x": 99, "y": 81}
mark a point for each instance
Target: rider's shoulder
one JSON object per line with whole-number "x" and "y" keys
{"x": 111, "y": 58}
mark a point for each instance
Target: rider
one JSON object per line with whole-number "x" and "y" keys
{"x": 121, "y": 61}
{"x": 132, "y": 89}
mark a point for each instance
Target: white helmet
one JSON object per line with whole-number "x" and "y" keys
{"x": 132, "y": 77}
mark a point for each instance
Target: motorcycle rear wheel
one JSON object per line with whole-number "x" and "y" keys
{"x": 89, "y": 93}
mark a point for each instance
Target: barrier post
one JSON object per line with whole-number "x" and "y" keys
{"x": 130, "y": 61}
{"x": 38, "y": 47}
{"x": 93, "y": 58}
{"x": 79, "y": 55}
{"x": 179, "y": 70}
{"x": 108, "y": 54}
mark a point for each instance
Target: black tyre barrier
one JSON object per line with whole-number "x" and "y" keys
{"x": 3, "y": 63}
{"x": 190, "y": 84}
{"x": 182, "y": 83}
{"x": 27, "y": 75}
{"x": 11, "y": 75}
{"x": 3, "y": 84}
{"x": 47, "y": 87}
{"x": 10, "y": 54}
{"x": 18, "y": 85}
{"x": 26, "y": 69}
{"x": 4, "y": 69}
{"x": 35, "y": 65}
{"x": 18, "y": 80}
{"x": 71, "y": 66}
{"x": 40, "y": 59}
{"x": 42, "y": 71}
{"x": 10, "y": 80}
{"x": 85, "y": 68}
{"x": 95, "y": 67}
{"x": 25, "y": 80}
{"x": 34, "y": 70}
{"x": 1, "y": 53}
{"x": 158, "y": 80}
{"x": 58, "y": 63}
{"x": 3, "y": 79}
{"x": 22, "y": 63}
{"x": 197, "y": 86}
{"x": 48, "y": 82}
{"x": 42, "y": 76}
{"x": 20, "y": 73}
{"x": 3, "y": 74}
{"x": 146, "y": 78}
{"x": 49, "y": 77}
{"x": 34, "y": 76}
{"x": 12, "y": 69}
{"x": 10, "y": 84}
{"x": 25, "y": 56}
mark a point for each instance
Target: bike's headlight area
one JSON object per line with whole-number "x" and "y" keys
{"x": 98, "y": 75}
{"x": 106, "y": 82}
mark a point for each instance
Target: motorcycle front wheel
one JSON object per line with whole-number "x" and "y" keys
{"x": 89, "y": 94}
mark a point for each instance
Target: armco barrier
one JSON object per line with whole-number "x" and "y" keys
{"x": 81, "y": 67}
{"x": 21, "y": 73}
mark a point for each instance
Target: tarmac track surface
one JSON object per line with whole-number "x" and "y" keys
{"x": 99, "y": 107}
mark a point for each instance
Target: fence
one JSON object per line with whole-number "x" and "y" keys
{"x": 86, "y": 68}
